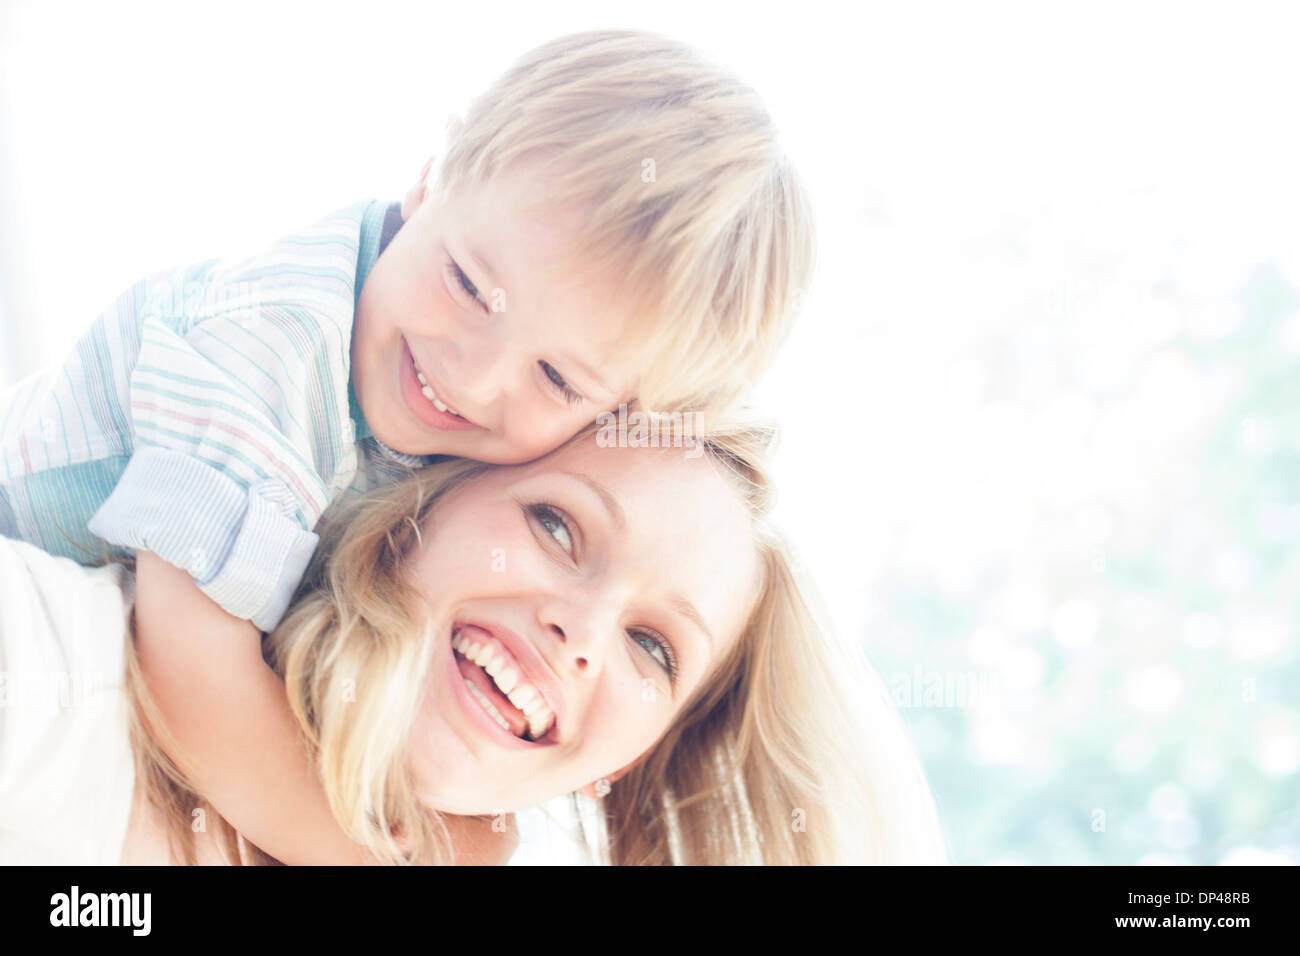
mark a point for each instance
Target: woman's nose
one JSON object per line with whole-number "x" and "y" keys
{"x": 577, "y": 631}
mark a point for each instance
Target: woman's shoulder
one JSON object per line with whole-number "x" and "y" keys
{"x": 59, "y": 614}
{"x": 66, "y": 769}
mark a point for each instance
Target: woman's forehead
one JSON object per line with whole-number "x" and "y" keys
{"x": 633, "y": 471}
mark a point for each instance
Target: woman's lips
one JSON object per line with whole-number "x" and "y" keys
{"x": 533, "y": 669}
{"x": 421, "y": 407}
{"x": 478, "y": 716}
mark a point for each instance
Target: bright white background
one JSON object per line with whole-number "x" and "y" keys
{"x": 1058, "y": 249}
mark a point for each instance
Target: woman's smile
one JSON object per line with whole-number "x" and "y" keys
{"x": 467, "y": 689}
{"x": 508, "y": 681}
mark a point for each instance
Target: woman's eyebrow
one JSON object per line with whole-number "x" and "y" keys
{"x": 606, "y": 498}
{"x": 689, "y": 611}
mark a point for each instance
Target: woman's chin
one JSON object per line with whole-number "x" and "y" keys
{"x": 459, "y": 790}
{"x": 449, "y": 779}
{"x": 458, "y": 802}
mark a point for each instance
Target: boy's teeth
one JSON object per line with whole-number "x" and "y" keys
{"x": 427, "y": 392}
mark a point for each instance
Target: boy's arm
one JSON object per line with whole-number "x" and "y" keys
{"x": 235, "y": 412}
{"x": 230, "y": 720}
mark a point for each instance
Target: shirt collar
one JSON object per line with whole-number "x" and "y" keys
{"x": 378, "y": 226}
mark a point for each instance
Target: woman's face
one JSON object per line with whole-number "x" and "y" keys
{"x": 611, "y": 580}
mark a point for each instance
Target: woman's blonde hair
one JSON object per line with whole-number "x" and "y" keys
{"x": 694, "y": 203}
{"x": 789, "y": 753}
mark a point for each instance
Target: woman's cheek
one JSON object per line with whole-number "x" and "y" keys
{"x": 493, "y": 543}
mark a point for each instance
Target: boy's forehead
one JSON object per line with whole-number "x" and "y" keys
{"x": 517, "y": 205}
{"x": 534, "y": 230}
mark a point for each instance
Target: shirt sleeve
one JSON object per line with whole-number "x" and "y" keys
{"x": 238, "y": 404}
{"x": 242, "y": 545}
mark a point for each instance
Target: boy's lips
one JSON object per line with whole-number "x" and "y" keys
{"x": 420, "y": 406}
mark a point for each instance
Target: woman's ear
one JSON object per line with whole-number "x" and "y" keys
{"x": 416, "y": 194}
{"x": 601, "y": 787}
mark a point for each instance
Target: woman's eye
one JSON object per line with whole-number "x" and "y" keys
{"x": 659, "y": 649}
{"x": 551, "y": 522}
{"x": 561, "y": 386}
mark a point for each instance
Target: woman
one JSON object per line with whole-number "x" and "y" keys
{"x": 659, "y": 656}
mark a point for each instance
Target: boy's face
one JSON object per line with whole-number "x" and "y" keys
{"x": 514, "y": 361}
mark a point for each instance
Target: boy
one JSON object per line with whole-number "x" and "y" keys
{"x": 612, "y": 222}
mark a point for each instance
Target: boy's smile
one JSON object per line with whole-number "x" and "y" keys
{"x": 499, "y": 362}
{"x": 423, "y": 399}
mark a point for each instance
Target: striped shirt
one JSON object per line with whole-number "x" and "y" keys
{"x": 208, "y": 417}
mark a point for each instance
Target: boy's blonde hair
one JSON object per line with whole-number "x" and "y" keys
{"x": 790, "y": 753}
{"x": 693, "y": 201}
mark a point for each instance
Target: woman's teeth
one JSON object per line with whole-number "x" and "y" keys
{"x": 427, "y": 392}
{"x": 487, "y": 705}
{"x": 501, "y": 669}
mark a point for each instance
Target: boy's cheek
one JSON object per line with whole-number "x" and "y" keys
{"x": 527, "y": 441}
{"x": 368, "y": 377}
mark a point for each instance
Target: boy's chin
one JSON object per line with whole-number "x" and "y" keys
{"x": 418, "y": 444}
{"x": 422, "y": 442}
{"x": 403, "y": 437}
{"x": 478, "y": 445}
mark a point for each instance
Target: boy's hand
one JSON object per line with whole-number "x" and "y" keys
{"x": 232, "y": 730}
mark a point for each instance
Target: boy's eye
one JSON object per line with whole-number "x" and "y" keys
{"x": 561, "y": 386}
{"x": 464, "y": 286}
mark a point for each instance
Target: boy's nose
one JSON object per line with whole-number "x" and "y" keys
{"x": 482, "y": 373}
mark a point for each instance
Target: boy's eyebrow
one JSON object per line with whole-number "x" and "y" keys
{"x": 483, "y": 266}
{"x": 587, "y": 371}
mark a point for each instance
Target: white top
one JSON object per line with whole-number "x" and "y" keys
{"x": 67, "y": 774}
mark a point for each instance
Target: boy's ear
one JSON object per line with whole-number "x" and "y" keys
{"x": 416, "y": 194}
